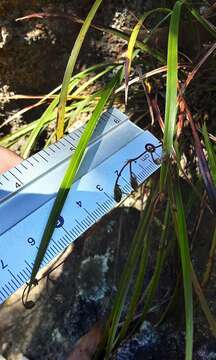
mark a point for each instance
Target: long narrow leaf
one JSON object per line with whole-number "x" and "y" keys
{"x": 203, "y": 302}
{"x": 204, "y": 22}
{"x": 211, "y": 153}
{"x": 43, "y": 119}
{"x": 132, "y": 42}
{"x": 151, "y": 289}
{"x": 126, "y": 277}
{"x": 171, "y": 86}
{"x": 120, "y": 34}
{"x": 210, "y": 261}
{"x": 69, "y": 178}
{"x": 203, "y": 165}
{"x": 70, "y": 67}
{"x": 138, "y": 285}
{"x": 181, "y": 233}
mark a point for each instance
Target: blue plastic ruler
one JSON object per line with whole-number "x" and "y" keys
{"x": 27, "y": 192}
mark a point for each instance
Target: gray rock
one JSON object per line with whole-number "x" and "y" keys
{"x": 143, "y": 345}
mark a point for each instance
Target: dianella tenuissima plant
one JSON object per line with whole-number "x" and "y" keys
{"x": 162, "y": 82}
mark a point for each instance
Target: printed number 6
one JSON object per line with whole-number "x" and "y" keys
{"x": 31, "y": 241}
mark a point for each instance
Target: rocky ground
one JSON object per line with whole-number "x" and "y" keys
{"x": 79, "y": 295}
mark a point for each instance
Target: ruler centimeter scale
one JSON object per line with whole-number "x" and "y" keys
{"x": 28, "y": 191}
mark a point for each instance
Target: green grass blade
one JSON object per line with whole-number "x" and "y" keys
{"x": 203, "y": 302}
{"x": 71, "y": 112}
{"x": 70, "y": 67}
{"x": 172, "y": 79}
{"x": 137, "y": 287}
{"x": 204, "y": 22}
{"x": 158, "y": 25}
{"x": 210, "y": 262}
{"x": 92, "y": 80}
{"x": 124, "y": 36}
{"x": 50, "y": 112}
{"x": 12, "y": 138}
{"x": 129, "y": 268}
{"x": 138, "y": 44}
{"x": 152, "y": 287}
{"x": 132, "y": 42}
{"x": 69, "y": 178}
{"x": 43, "y": 120}
{"x": 149, "y": 293}
{"x": 211, "y": 153}
{"x": 171, "y": 86}
{"x": 156, "y": 54}
{"x": 87, "y": 106}
{"x": 181, "y": 233}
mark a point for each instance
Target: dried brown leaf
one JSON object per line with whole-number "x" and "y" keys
{"x": 87, "y": 345}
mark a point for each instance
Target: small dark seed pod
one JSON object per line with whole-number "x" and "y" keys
{"x": 134, "y": 182}
{"x": 157, "y": 161}
{"x": 117, "y": 193}
{"x": 29, "y": 304}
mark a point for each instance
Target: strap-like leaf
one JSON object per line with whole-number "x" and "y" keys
{"x": 69, "y": 177}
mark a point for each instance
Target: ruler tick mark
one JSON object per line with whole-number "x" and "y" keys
{"x": 34, "y": 158}
{"x": 21, "y": 164}
{"x": 29, "y": 162}
{"x": 46, "y": 152}
{"x": 19, "y": 276}
{"x": 5, "y": 177}
{"x": 15, "y": 177}
{"x": 71, "y": 137}
{"x": 67, "y": 235}
{"x": 10, "y": 272}
{"x": 69, "y": 142}
{"x": 23, "y": 277}
{"x": 109, "y": 197}
{"x": 54, "y": 248}
{"x": 14, "y": 289}
{"x": 26, "y": 274}
{"x": 27, "y": 263}
{"x": 18, "y": 169}
{"x": 11, "y": 286}
{"x": 2, "y": 297}
{"x": 47, "y": 255}
{"x": 51, "y": 251}
{"x": 7, "y": 294}
{"x": 6, "y": 290}
{"x": 56, "y": 146}
{"x": 50, "y": 147}
{"x": 79, "y": 225}
{"x": 27, "y": 269}
{"x": 64, "y": 241}
{"x": 86, "y": 223}
{"x": 42, "y": 157}
{"x": 56, "y": 245}
{"x": 91, "y": 217}
{"x": 61, "y": 142}
{"x": 74, "y": 231}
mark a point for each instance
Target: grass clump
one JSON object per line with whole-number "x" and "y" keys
{"x": 188, "y": 145}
